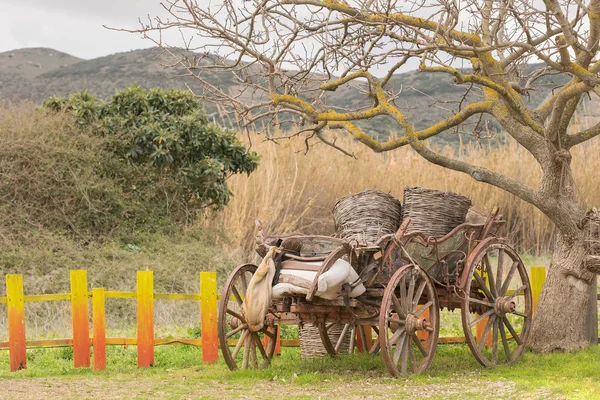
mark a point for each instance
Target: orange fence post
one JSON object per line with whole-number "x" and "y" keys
{"x": 208, "y": 312}
{"x": 99, "y": 327}
{"x": 537, "y": 276}
{"x": 16, "y": 322}
{"x": 145, "y": 318}
{"x": 480, "y": 327}
{"x": 80, "y": 318}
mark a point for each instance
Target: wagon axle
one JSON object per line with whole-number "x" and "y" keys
{"x": 504, "y": 306}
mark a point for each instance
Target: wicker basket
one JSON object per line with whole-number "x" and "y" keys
{"x": 311, "y": 345}
{"x": 432, "y": 212}
{"x": 366, "y": 216}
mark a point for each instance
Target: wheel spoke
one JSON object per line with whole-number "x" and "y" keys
{"x": 399, "y": 347}
{"x": 508, "y": 278}
{"x": 423, "y": 308}
{"x": 338, "y": 345}
{"x": 490, "y": 275}
{"x": 396, "y": 336}
{"x": 375, "y": 347}
{"x": 482, "y": 316}
{"x": 260, "y": 346}
{"x": 495, "y": 341}
{"x": 485, "y": 303}
{"x": 483, "y": 286}
{"x": 516, "y": 292}
{"x": 504, "y": 341}
{"x": 352, "y": 340}
{"x": 409, "y": 296}
{"x": 413, "y": 358}
{"x": 486, "y": 332}
{"x": 512, "y": 331}
{"x": 244, "y": 284}
{"x": 404, "y": 357}
{"x": 239, "y": 344}
{"x": 402, "y": 301}
{"x": 520, "y": 314}
{"x": 236, "y": 315}
{"x": 499, "y": 272}
{"x": 397, "y": 306}
{"x": 418, "y": 294}
{"x": 363, "y": 337}
{"x": 236, "y": 330}
{"x": 270, "y": 334}
{"x": 328, "y": 326}
{"x": 252, "y": 340}
{"x": 419, "y": 344}
{"x": 236, "y": 294}
{"x": 395, "y": 320}
{"x": 246, "y": 352}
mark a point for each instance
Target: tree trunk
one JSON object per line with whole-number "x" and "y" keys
{"x": 561, "y": 321}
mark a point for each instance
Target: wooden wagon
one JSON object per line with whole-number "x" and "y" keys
{"x": 408, "y": 279}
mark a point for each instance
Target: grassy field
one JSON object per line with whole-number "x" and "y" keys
{"x": 180, "y": 373}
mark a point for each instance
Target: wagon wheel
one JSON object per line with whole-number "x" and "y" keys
{"x": 498, "y": 299}
{"x": 241, "y": 347}
{"x": 349, "y": 329}
{"x": 408, "y": 338}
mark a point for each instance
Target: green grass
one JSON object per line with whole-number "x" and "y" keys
{"x": 180, "y": 373}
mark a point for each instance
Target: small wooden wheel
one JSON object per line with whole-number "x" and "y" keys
{"x": 496, "y": 310}
{"x": 241, "y": 347}
{"x": 409, "y": 322}
{"x": 350, "y": 331}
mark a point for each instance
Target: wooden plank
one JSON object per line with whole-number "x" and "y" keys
{"x": 191, "y": 342}
{"x": 42, "y": 343}
{"x": 208, "y": 313}
{"x": 121, "y": 341}
{"x": 145, "y": 318}
{"x": 537, "y": 277}
{"x": 99, "y": 328}
{"x": 16, "y": 322}
{"x": 80, "y": 318}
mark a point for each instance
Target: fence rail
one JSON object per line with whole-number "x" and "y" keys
{"x": 145, "y": 340}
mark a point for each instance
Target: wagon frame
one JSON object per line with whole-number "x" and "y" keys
{"x": 408, "y": 279}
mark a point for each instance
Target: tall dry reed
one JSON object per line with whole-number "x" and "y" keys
{"x": 294, "y": 191}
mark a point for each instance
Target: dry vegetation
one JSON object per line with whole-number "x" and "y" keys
{"x": 295, "y": 191}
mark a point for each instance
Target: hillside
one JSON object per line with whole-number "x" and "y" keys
{"x": 35, "y": 74}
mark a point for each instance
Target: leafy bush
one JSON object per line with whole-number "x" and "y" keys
{"x": 169, "y": 130}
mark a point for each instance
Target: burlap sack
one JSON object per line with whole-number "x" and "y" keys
{"x": 258, "y": 296}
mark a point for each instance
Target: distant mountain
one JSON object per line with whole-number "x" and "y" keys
{"x": 38, "y": 73}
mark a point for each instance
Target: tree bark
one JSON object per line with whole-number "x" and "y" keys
{"x": 560, "y": 322}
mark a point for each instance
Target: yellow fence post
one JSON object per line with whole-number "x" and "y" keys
{"x": 537, "y": 276}
{"x": 145, "y": 318}
{"x": 99, "y": 328}
{"x": 16, "y": 322}
{"x": 80, "y": 318}
{"x": 208, "y": 312}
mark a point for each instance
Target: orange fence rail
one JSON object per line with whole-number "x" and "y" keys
{"x": 145, "y": 340}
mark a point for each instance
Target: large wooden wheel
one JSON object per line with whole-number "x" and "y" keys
{"x": 350, "y": 332}
{"x": 409, "y": 322}
{"x": 496, "y": 310}
{"x": 241, "y": 347}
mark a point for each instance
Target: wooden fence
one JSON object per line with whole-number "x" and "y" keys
{"x": 145, "y": 340}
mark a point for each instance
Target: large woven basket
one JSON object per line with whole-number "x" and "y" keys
{"x": 432, "y": 212}
{"x": 311, "y": 345}
{"x": 366, "y": 216}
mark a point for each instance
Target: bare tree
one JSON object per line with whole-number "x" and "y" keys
{"x": 287, "y": 54}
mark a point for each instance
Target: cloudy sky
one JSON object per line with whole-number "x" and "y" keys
{"x": 73, "y": 26}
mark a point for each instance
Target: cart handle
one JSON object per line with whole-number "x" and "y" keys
{"x": 402, "y": 230}
{"x": 329, "y": 261}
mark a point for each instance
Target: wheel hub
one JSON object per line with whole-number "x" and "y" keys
{"x": 234, "y": 323}
{"x": 504, "y": 306}
{"x": 414, "y": 324}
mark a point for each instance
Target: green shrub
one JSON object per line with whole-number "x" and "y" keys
{"x": 168, "y": 130}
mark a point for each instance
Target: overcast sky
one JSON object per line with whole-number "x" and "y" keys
{"x": 73, "y": 26}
